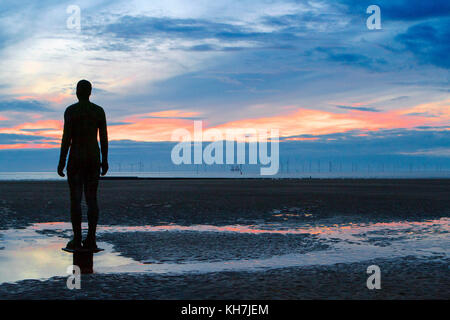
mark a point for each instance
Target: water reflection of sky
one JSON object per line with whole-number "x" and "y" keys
{"x": 31, "y": 254}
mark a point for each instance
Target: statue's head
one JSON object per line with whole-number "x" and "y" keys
{"x": 84, "y": 89}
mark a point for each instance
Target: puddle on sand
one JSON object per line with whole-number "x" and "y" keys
{"x": 27, "y": 254}
{"x": 337, "y": 230}
{"x": 30, "y": 254}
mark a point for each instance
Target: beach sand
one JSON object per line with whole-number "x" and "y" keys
{"x": 231, "y": 210}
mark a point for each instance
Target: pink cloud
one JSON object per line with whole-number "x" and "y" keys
{"x": 48, "y": 128}
{"x": 159, "y": 126}
{"x": 173, "y": 114}
{"x": 151, "y": 129}
{"x": 26, "y": 146}
{"x": 317, "y": 122}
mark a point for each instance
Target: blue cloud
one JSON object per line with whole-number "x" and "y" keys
{"x": 352, "y": 143}
{"x": 23, "y": 105}
{"x": 118, "y": 123}
{"x": 428, "y": 42}
{"x": 37, "y": 130}
{"x": 405, "y": 10}
{"x": 139, "y": 27}
{"x": 209, "y": 47}
{"x": 341, "y": 55}
{"x": 422, "y": 114}
{"x": 130, "y": 27}
{"x": 415, "y": 9}
{"x": 383, "y": 142}
{"x": 368, "y": 109}
{"x": 10, "y": 138}
{"x": 432, "y": 127}
{"x": 391, "y": 147}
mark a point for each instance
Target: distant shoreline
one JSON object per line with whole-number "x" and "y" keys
{"x": 266, "y": 178}
{"x": 52, "y": 176}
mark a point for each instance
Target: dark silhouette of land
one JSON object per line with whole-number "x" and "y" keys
{"x": 82, "y": 122}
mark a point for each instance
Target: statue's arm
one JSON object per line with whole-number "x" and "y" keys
{"x": 103, "y": 133}
{"x": 65, "y": 141}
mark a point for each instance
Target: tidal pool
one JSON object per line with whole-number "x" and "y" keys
{"x": 35, "y": 252}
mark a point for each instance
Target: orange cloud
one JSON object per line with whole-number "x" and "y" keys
{"x": 151, "y": 129}
{"x": 57, "y": 98}
{"x": 26, "y": 98}
{"x": 48, "y": 128}
{"x": 436, "y": 112}
{"x": 154, "y": 126}
{"x": 301, "y": 121}
{"x": 317, "y": 122}
{"x": 159, "y": 126}
{"x": 301, "y": 139}
{"x": 26, "y": 146}
{"x": 173, "y": 114}
{"x": 60, "y": 97}
{"x": 52, "y": 129}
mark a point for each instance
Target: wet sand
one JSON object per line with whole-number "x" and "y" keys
{"x": 406, "y": 278}
{"x": 142, "y": 202}
{"x": 231, "y": 229}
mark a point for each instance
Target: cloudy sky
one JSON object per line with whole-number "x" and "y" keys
{"x": 311, "y": 69}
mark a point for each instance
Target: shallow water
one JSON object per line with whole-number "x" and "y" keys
{"x": 35, "y": 252}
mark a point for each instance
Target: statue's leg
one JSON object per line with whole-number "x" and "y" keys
{"x": 76, "y": 191}
{"x": 90, "y": 193}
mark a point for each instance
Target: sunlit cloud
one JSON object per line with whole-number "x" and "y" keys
{"x": 48, "y": 128}
{"x": 436, "y": 112}
{"x": 150, "y": 129}
{"x": 159, "y": 126}
{"x": 174, "y": 114}
{"x": 26, "y": 146}
{"x": 308, "y": 121}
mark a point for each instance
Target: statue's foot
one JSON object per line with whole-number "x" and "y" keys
{"x": 73, "y": 244}
{"x": 90, "y": 243}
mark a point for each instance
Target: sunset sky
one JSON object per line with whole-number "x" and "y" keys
{"x": 311, "y": 69}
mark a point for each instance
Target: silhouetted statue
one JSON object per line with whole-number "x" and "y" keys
{"x": 82, "y": 121}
